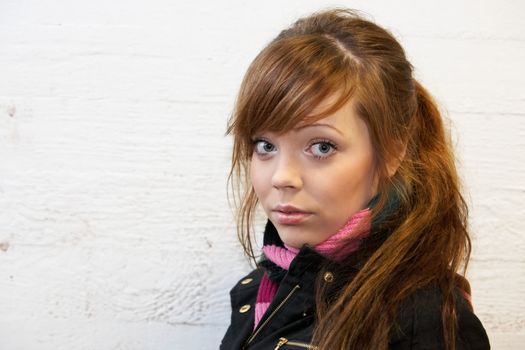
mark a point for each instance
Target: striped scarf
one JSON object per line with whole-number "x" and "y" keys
{"x": 279, "y": 256}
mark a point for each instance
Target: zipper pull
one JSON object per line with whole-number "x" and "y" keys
{"x": 281, "y": 342}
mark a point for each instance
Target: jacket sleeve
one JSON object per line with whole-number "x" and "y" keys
{"x": 419, "y": 324}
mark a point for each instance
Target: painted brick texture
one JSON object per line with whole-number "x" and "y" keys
{"x": 115, "y": 230}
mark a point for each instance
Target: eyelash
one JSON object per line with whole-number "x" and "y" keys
{"x": 312, "y": 143}
{"x": 256, "y": 141}
{"x": 328, "y": 142}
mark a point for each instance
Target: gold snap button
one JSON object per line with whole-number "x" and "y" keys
{"x": 329, "y": 277}
{"x": 244, "y": 308}
{"x": 246, "y": 280}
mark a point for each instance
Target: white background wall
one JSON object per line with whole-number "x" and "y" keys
{"x": 115, "y": 231}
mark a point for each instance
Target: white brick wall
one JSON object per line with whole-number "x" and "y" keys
{"x": 114, "y": 226}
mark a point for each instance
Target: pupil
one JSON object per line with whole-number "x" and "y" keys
{"x": 324, "y": 147}
{"x": 267, "y": 147}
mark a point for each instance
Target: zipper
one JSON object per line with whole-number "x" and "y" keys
{"x": 284, "y": 341}
{"x": 254, "y": 334}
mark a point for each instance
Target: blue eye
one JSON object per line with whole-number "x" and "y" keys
{"x": 263, "y": 147}
{"x": 322, "y": 149}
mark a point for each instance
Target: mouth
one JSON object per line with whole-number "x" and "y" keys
{"x": 290, "y": 215}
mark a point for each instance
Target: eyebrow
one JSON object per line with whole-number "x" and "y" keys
{"x": 319, "y": 124}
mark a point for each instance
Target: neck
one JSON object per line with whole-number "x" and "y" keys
{"x": 347, "y": 238}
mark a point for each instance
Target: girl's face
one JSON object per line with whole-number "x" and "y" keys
{"x": 312, "y": 179}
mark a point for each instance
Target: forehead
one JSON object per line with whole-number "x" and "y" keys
{"x": 344, "y": 116}
{"x": 332, "y": 110}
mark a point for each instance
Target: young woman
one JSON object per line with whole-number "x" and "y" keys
{"x": 347, "y": 155}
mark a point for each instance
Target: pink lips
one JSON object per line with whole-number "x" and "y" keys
{"x": 290, "y": 215}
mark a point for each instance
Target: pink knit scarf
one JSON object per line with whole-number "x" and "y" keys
{"x": 283, "y": 256}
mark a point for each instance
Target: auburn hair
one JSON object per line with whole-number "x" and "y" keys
{"x": 419, "y": 233}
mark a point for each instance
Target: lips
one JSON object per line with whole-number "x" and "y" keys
{"x": 290, "y": 215}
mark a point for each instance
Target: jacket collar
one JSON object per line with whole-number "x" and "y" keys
{"x": 307, "y": 259}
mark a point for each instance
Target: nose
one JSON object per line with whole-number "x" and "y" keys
{"x": 287, "y": 174}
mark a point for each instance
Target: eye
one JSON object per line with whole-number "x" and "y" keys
{"x": 322, "y": 149}
{"x": 263, "y": 147}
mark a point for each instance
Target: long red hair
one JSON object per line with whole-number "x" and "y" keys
{"x": 425, "y": 238}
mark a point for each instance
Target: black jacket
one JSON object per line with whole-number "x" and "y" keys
{"x": 289, "y": 320}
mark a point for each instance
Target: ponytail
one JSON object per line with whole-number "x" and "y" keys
{"x": 427, "y": 242}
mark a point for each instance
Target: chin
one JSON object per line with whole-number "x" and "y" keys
{"x": 291, "y": 239}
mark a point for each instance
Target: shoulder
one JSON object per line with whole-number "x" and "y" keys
{"x": 242, "y": 296}
{"x": 419, "y": 324}
{"x": 249, "y": 282}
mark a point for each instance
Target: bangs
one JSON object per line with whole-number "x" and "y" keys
{"x": 287, "y": 82}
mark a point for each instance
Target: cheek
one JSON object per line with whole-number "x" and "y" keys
{"x": 258, "y": 177}
{"x": 351, "y": 184}
{"x": 370, "y": 176}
